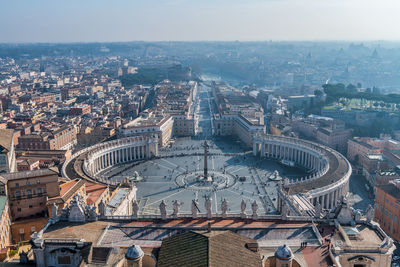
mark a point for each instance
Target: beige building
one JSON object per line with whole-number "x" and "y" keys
{"x": 27, "y": 193}
{"x": 237, "y": 125}
{"x": 7, "y": 153}
{"x": 57, "y": 138}
{"x": 5, "y": 224}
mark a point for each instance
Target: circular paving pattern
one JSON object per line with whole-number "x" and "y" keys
{"x": 178, "y": 174}
{"x": 215, "y": 181}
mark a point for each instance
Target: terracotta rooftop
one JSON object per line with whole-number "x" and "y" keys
{"x": 68, "y": 190}
{"x": 93, "y": 191}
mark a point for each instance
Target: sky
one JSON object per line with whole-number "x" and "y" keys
{"x": 197, "y": 20}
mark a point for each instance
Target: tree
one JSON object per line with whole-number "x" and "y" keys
{"x": 375, "y": 90}
{"x": 351, "y": 88}
{"x": 318, "y": 93}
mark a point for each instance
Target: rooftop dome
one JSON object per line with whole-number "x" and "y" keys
{"x": 134, "y": 253}
{"x": 284, "y": 253}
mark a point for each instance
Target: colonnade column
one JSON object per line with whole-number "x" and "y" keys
{"x": 262, "y": 149}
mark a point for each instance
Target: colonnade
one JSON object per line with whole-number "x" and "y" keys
{"x": 302, "y": 156}
{"x": 105, "y": 155}
{"x": 316, "y": 159}
{"x": 107, "y": 158}
{"x": 329, "y": 199}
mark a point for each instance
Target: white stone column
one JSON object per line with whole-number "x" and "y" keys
{"x": 262, "y": 149}
{"x": 142, "y": 152}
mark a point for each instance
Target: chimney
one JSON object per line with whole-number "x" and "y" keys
{"x": 209, "y": 226}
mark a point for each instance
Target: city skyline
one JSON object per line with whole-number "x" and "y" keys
{"x": 183, "y": 20}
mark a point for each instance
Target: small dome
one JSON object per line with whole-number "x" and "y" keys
{"x": 284, "y": 253}
{"x": 134, "y": 253}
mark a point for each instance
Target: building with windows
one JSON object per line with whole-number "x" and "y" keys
{"x": 27, "y": 193}
{"x": 387, "y": 210}
{"x": 5, "y": 226}
{"x": 51, "y": 138}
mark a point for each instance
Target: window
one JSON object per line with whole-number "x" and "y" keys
{"x": 19, "y": 209}
{"x": 18, "y": 194}
{"x": 29, "y": 193}
{"x": 30, "y": 206}
{"x": 16, "y": 184}
{"x": 39, "y": 191}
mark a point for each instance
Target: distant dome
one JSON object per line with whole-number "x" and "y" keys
{"x": 134, "y": 253}
{"x": 284, "y": 253}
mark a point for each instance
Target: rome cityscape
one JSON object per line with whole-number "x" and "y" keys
{"x": 162, "y": 140}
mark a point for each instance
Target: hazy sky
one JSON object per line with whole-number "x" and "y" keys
{"x": 152, "y": 20}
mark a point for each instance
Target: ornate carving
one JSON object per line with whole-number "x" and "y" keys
{"x": 77, "y": 210}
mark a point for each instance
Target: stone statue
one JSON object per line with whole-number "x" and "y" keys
{"x": 285, "y": 181}
{"x": 194, "y": 209}
{"x": 54, "y": 211}
{"x": 65, "y": 213}
{"x": 254, "y": 208}
{"x": 163, "y": 210}
{"x": 91, "y": 212}
{"x": 369, "y": 213}
{"x": 224, "y": 208}
{"x": 23, "y": 257}
{"x": 207, "y": 205}
{"x": 102, "y": 208}
{"x": 357, "y": 216}
{"x": 318, "y": 210}
{"x": 243, "y": 209}
{"x": 135, "y": 208}
{"x": 176, "y": 206}
{"x": 77, "y": 210}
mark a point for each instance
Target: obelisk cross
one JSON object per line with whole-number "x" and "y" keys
{"x": 205, "y": 160}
